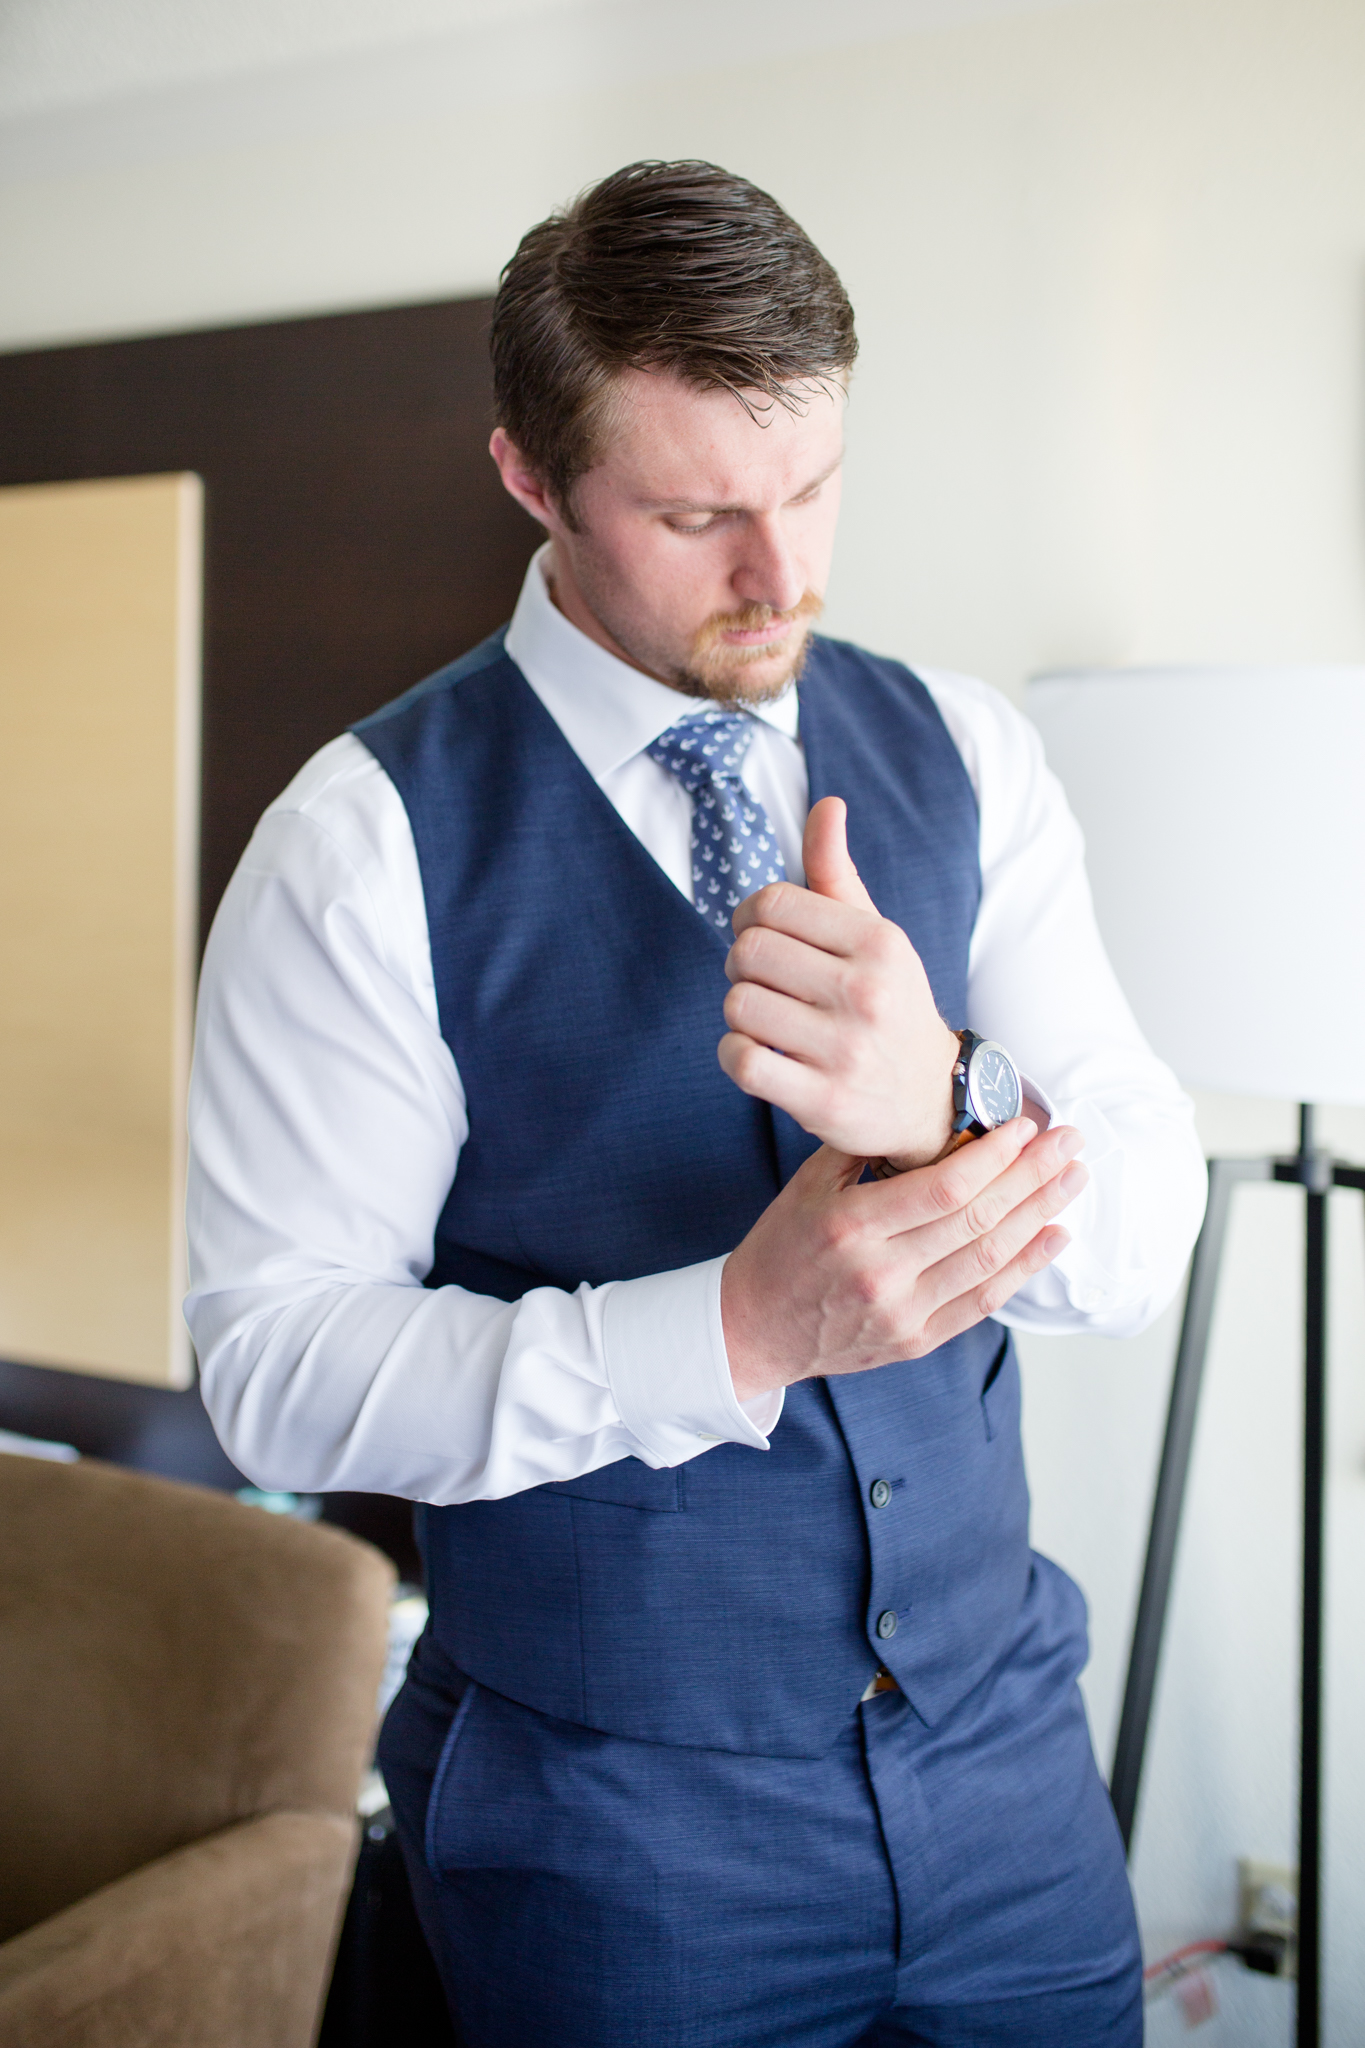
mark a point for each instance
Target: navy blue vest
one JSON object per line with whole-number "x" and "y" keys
{"x": 732, "y": 1602}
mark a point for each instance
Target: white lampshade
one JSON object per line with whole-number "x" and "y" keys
{"x": 1224, "y": 818}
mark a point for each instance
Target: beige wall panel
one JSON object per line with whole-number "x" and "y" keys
{"x": 99, "y": 760}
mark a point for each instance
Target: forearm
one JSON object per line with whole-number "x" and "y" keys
{"x": 327, "y": 1122}
{"x": 442, "y": 1395}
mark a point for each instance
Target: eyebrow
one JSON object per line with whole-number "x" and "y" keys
{"x": 693, "y": 505}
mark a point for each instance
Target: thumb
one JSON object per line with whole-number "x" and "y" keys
{"x": 825, "y": 856}
{"x": 827, "y": 1171}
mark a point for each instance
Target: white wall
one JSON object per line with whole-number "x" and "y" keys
{"x": 1107, "y": 259}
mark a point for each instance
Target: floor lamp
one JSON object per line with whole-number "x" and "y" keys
{"x": 1224, "y": 818}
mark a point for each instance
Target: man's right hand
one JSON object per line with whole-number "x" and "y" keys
{"x": 838, "y": 1277}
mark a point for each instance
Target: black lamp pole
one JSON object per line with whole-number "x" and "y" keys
{"x": 1317, "y": 1174}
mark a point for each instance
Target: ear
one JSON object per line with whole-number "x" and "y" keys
{"x": 521, "y": 481}
{"x": 825, "y": 855}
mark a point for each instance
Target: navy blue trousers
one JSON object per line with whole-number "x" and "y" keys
{"x": 957, "y": 1887}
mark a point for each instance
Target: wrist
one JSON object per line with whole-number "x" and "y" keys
{"x": 751, "y": 1371}
{"x": 935, "y": 1134}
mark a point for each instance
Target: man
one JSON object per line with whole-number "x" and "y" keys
{"x": 745, "y": 1713}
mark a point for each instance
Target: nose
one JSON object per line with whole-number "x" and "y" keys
{"x": 768, "y": 571}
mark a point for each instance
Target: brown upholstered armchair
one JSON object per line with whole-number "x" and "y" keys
{"x": 187, "y": 1699}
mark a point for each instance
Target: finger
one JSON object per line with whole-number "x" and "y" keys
{"x": 825, "y": 855}
{"x": 939, "y": 1193}
{"x": 827, "y": 1171}
{"x": 954, "y": 1192}
{"x": 773, "y": 960}
{"x": 975, "y": 1264}
{"x": 838, "y": 928}
{"x": 802, "y": 1090}
{"x": 1038, "y": 1162}
{"x": 801, "y": 1030}
{"x": 966, "y": 1310}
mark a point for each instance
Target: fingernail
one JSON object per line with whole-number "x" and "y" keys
{"x": 1056, "y": 1241}
{"x": 1069, "y": 1143}
{"x": 1073, "y": 1180}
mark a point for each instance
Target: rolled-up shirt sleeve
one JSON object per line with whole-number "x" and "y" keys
{"x": 1040, "y": 982}
{"x": 326, "y": 1124}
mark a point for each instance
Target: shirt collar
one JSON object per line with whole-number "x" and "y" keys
{"x": 606, "y": 710}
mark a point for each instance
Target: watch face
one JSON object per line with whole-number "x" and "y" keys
{"x": 993, "y": 1086}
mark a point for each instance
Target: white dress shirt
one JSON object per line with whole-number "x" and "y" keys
{"x": 327, "y": 1119}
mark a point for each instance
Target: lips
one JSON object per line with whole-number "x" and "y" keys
{"x": 760, "y": 636}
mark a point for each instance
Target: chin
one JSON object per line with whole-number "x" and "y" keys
{"x": 744, "y": 678}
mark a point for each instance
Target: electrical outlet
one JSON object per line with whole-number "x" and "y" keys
{"x": 1268, "y": 1896}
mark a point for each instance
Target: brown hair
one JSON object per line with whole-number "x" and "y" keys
{"x": 669, "y": 266}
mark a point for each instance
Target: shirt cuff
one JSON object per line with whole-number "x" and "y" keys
{"x": 1033, "y": 1093}
{"x": 667, "y": 1367}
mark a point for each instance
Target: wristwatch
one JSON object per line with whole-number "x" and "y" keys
{"x": 987, "y": 1090}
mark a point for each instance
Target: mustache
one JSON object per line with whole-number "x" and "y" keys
{"x": 749, "y": 619}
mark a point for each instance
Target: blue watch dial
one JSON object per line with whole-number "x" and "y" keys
{"x": 994, "y": 1086}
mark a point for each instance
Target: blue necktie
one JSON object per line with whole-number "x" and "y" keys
{"x": 734, "y": 847}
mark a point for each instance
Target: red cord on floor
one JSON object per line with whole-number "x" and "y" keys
{"x": 1181, "y": 1955}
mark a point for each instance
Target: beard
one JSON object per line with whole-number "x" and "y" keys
{"x": 722, "y": 673}
{"x": 707, "y": 667}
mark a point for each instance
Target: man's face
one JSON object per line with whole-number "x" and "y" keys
{"x": 705, "y": 535}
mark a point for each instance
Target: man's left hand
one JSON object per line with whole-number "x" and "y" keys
{"x": 820, "y": 976}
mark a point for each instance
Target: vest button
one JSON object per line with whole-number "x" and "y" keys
{"x": 880, "y": 1493}
{"x": 886, "y": 1623}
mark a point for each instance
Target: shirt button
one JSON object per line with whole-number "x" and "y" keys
{"x": 880, "y": 1493}
{"x": 886, "y": 1623}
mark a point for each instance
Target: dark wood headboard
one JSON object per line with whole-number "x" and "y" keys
{"x": 357, "y": 535}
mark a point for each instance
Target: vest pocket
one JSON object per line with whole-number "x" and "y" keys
{"x": 993, "y": 1394}
{"x": 626, "y": 1484}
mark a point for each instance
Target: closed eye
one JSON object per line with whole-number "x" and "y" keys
{"x": 714, "y": 519}
{"x": 681, "y": 517}
{"x": 698, "y": 525}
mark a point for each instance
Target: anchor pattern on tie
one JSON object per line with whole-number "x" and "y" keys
{"x": 734, "y": 847}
